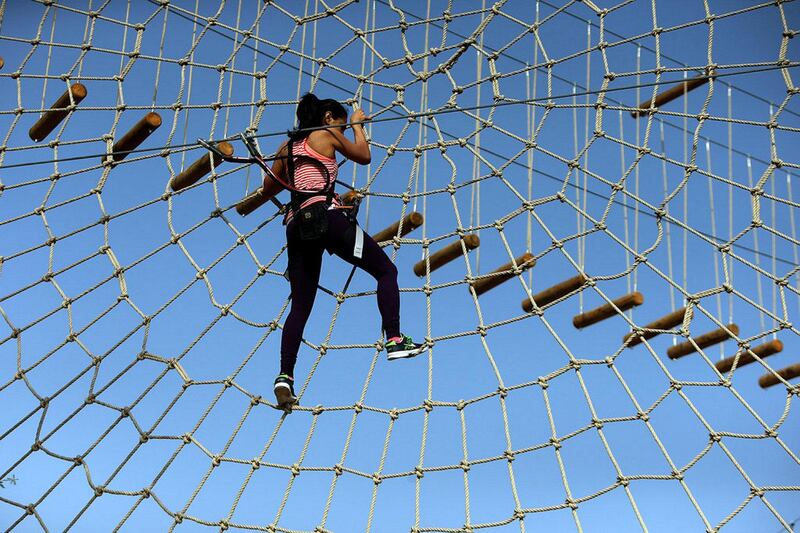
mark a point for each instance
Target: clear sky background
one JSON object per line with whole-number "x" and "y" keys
{"x": 214, "y": 69}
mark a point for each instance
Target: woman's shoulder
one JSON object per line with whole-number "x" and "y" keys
{"x": 321, "y": 141}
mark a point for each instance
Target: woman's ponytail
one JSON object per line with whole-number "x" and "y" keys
{"x": 310, "y": 113}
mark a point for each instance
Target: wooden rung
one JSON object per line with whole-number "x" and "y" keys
{"x": 665, "y": 322}
{"x": 553, "y": 293}
{"x": 349, "y": 198}
{"x": 409, "y": 223}
{"x": 671, "y": 94}
{"x": 790, "y": 372}
{"x": 134, "y": 137}
{"x": 524, "y": 262}
{"x": 703, "y": 341}
{"x": 57, "y": 112}
{"x": 252, "y": 201}
{"x": 199, "y": 168}
{"x": 259, "y": 197}
{"x": 623, "y": 303}
{"x": 448, "y": 253}
{"x": 745, "y": 358}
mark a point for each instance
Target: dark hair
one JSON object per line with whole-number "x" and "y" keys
{"x": 310, "y": 112}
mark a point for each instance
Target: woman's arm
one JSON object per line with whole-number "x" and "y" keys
{"x": 279, "y": 169}
{"x": 357, "y": 151}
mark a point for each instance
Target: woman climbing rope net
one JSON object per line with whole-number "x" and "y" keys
{"x": 316, "y": 221}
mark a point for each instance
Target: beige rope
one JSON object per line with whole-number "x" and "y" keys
{"x": 434, "y": 141}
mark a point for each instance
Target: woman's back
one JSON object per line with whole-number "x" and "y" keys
{"x": 309, "y": 175}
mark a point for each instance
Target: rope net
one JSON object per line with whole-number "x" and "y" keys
{"x": 141, "y": 325}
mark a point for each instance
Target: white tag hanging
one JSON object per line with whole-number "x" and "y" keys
{"x": 359, "y": 247}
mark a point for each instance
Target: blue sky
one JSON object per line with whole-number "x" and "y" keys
{"x": 257, "y": 88}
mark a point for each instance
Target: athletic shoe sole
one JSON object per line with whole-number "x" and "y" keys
{"x": 405, "y": 354}
{"x": 284, "y": 396}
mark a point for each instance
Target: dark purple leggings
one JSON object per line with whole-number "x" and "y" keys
{"x": 305, "y": 263}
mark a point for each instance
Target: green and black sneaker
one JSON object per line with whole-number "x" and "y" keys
{"x": 405, "y": 347}
{"x": 284, "y": 392}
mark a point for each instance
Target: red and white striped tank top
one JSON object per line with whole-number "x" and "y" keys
{"x": 310, "y": 177}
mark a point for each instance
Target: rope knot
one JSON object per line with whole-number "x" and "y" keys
{"x": 572, "y": 504}
{"x": 727, "y": 287}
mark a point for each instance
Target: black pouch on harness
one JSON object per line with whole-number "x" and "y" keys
{"x": 313, "y": 221}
